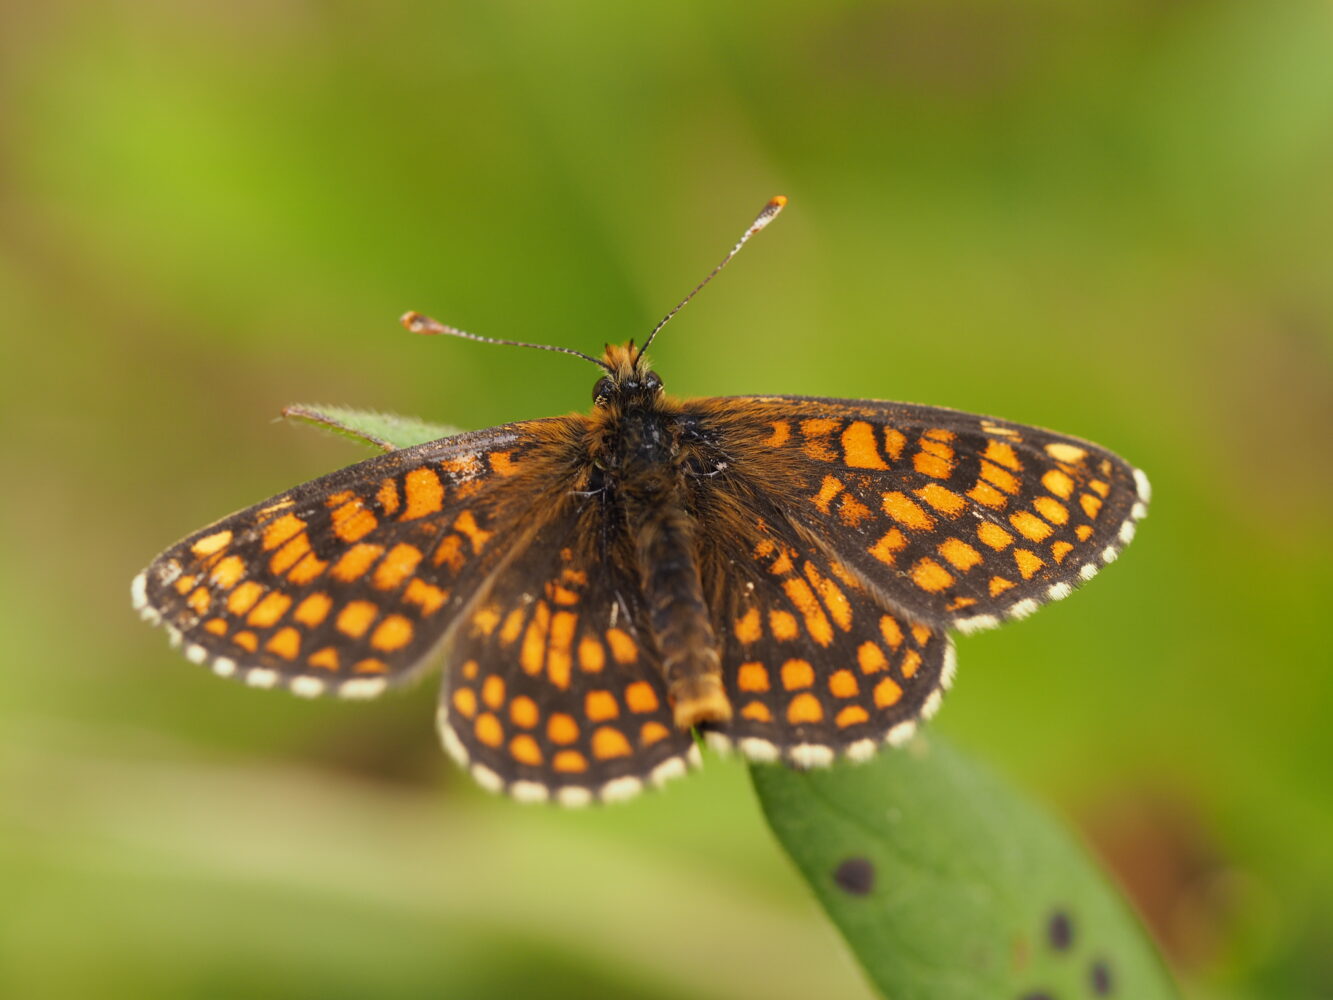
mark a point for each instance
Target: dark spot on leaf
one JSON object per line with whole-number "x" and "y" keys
{"x": 855, "y": 875}
{"x": 1101, "y": 979}
{"x": 1060, "y": 930}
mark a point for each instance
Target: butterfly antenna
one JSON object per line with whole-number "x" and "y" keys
{"x": 769, "y": 213}
{"x": 426, "y": 326}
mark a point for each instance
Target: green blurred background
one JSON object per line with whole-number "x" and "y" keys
{"x": 1115, "y": 220}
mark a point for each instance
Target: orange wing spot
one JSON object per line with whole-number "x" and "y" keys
{"x": 211, "y": 544}
{"x": 338, "y": 499}
{"x": 467, "y": 525}
{"x": 780, "y": 436}
{"x": 217, "y": 626}
{"x": 852, "y": 512}
{"x": 599, "y": 706}
{"x": 931, "y": 576}
{"x": 891, "y": 542}
{"x": 943, "y": 500}
{"x": 797, "y": 674}
{"x": 424, "y": 493}
{"x": 608, "y": 743}
{"x": 387, "y": 495}
{"x": 894, "y": 443}
{"x": 370, "y": 666}
{"x": 493, "y": 691}
{"x": 313, "y": 610}
{"x": 932, "y": 465}
{"x": 765, "y": 548}
{"x": 592, "y": 657}
{"x": 484, "y": 620}
{"x": 887, "y": 693}
{"x": 184, "y": 584}
{"x": 393, "y": 633}
{"x": 246, "y": 640}
{"x": 1002, "y": 453}
{"x": 489, "y": 730}
{"x": 352, "y": 521}
{"x": 891, "y": 631}
{"x": 921, "y": 633}
{"x": 502, "y": 463}
{"x": 852, "y": 715}
{"x": 1092, "y": 506}
{"x": 572, "y": 577}
{"x": 291, "y": 553}
{"x": 817, "y": 427}
{"x": 624, "y": 650}
{"x": 325, "y": 659}
{"x": 803, "y": 599}
{"x": 907, "y": 511}
{"x": 286, "y": 642}
{"x": 512, "y": 627}
{"x": 470, "y": 670}
{"x": 1083, "y": 531}
{"x": 1030, "y": 526}
{"x": 356, "y": 561}
{"x": 570, "y": 762}
{"x": 871, "y": 658}
{"x": 524, "y": 749}
{"x": 1053, "y": 510}
{"x": 997, "y": 476}
{"x": 561, "y": 595}
{"x": 959, "y": 554}
{"x": 1059, "y": 483}
{"x": 1061, "y": 549}
{"x": 425, "y": 596}
{"x": 562, "y": 729}
{"x": 748, "y": 628}
{"x": 653, "y": 732}
{"x": 839, "y": 608}
{"x": 523, "y": 712}
{"x": 858, "y": 447}
{"x": 355, "y": 618}
{"x": 449, "y": 552}
{"x": 1028, "y": 562}
{"x": 939, "y": 434}
{"x": 1062, "y": 452}
{"x": 228, "y": 572}
{"x": 1100, "y": 488}
{"x": 200, "y": 600}
{"x": 281, "y": 530}
{"x": 641, "y": 698}
{"x": 985, "y": 493}
{"x": 559, "y": 655}
{"x": 782, "y": 565}
{"x": 752, "y": 677}
{"x": 911, "y": 663}
{"x": 804, "y": 708}
{"x": 993, "y": 535}
{"x": 308, "y": 569}
{"x": 843, "y": 684}
{"x": 958, "y": 603}
{"x": 400, "y": 563}
{"x": 998, "y": 585}
{"x": 532, "y": 654}
{"x": 462, "y": 467}
{"x": 756, "y": 711}
{"x": 829, "y": 489}
{"x": 783, "y": 625}
{"x": 267, "y": 612}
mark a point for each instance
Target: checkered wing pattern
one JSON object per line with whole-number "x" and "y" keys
{"x": 814, "y": 663}
{"x": 553, "y": 687}
{"x": 344, "y": 584}
{"x": 953, "y": 519}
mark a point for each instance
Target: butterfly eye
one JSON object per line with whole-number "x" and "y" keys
{"x": 652, "y": 382}
{"x": 601, "y": 390}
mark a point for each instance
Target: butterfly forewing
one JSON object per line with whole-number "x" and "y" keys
{"x": 956, "y": 520}
{"x": 345, "y": 583}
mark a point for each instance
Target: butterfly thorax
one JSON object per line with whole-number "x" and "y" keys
{"x": 638, "y": 454}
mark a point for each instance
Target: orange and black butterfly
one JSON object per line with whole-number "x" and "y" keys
{"x": 776, "y": 573}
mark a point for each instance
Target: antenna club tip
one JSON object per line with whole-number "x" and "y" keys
{"x": 777, "y": 201}
{"x": 412, "y": 320}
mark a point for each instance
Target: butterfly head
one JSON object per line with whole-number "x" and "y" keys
{"x": 629, "y": 382}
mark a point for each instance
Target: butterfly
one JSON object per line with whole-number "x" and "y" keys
{"x": 778, "y": 574}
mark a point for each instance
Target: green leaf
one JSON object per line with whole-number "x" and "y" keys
{"x": 949, "y": 884}
{"x": 386, "y": 431}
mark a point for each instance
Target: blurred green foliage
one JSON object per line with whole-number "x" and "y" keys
{"x": 1113, "y": 220}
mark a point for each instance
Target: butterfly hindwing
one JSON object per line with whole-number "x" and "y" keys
{"x": 958, "y": 520}
{"x": 345, "y": 583}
